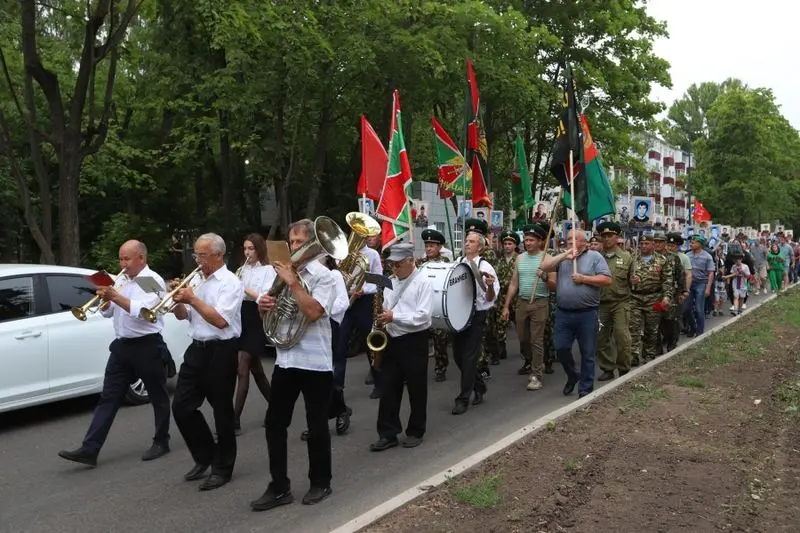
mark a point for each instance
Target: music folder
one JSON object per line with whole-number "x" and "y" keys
{"x": 101, "y": 278}
{"x": 148, "y": 284}
{"x": 278, "y": 251}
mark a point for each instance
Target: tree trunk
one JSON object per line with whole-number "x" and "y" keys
{"x": 323, "y": 140}
{"x": 225, "y": 178}
{"x": 69, "y": 240}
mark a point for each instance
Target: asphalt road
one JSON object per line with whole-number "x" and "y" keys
{"x": 42, "y": 493}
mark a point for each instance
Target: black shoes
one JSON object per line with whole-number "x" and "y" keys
{"x": 570, "y": 386}
{"x": 478, "y": 399}
{"x": 343, "y": 422}
{"x": 316, "y": 495}
{"x": 79, "y": 456}
{"x": 272, "y": 499}
{"x": 197, "y": 472}
{"x": 412, "y": 442}
{"x": 383, "y": 444}
{"x": 607, "y": 375}
{"x": 440, "y": 376}
{"x": 525, "y": 369}
{"x": 156, "y": 450}
{"x": 459, "y": 408}
{"x": 214, "y": 481}
{"x": 237, "y": 427}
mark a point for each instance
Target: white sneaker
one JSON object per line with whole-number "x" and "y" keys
{"x": 733, "y": 308}
{"x": 534, "y": 383}
{"x": 744, "y": 306}
{"x": 758, "y": 292}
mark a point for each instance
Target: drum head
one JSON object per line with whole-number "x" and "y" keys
{"x": 459, "y": 297}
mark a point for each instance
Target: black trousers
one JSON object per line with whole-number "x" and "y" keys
{"x": 208, "y": 373}
{"x": 466, "y": 347}
{"x": 338, "y": 405}
{"x": 405, "y": 363}
{"x": 355, "y": 327}
{"x": 142, "y": 358}
{"x": 287, "y": 384}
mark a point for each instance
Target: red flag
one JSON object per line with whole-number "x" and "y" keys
{"x": 374, "y": 161}
{"x": 393, "y": 208}
{"x": 477, "y": 147}
{"x": 701, "y": 214}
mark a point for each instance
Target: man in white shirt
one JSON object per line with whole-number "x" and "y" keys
{"x": 138, "y": 352}
{"x": 307, "y": 368}
{"x": 212, "y": 305}
{"x": 407, "y": 309}
{"x": 467, "y": 343}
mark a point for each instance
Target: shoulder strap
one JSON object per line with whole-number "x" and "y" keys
{"x": 404, "y": 287}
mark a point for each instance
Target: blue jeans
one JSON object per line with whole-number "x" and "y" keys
{"x": 698, "y": 299}
{"x": 583, "y": 326}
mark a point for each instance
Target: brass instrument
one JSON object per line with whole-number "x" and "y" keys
{"x": 377, "y": 338}
{"x": 355, "y": 266}
{"x": 240, "y": 270}
{"x": 284, "y": 324}
{"x": 151, "y": 315}
{"x": 96, "y": 303}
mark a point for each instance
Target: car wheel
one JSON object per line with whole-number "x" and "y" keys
{"x": 137, "y": 394}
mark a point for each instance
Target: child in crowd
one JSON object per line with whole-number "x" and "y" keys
{"x": 738, "y": 276}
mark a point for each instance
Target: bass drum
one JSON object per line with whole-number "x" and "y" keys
{"x": 453, "y": 294}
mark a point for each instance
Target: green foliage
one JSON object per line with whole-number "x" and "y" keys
{"x": 121, "y": 227}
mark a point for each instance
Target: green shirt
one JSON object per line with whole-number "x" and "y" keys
{"x": 620, "y": 263}
{"x": 526, "y": 272}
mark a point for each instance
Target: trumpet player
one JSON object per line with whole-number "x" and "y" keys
{"x": 213, "y": 308}
{"x": 406, "y": 317}
{"x": 305, "y": 367}
{"x": 137, "y": 352}
{"x": 253, "y": 341}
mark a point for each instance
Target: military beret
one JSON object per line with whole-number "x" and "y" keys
{"x": 699, "y": 238}
{"x": 674, "y": 238}
{"x": 647, "y": 237}
{"x": 609, "y": 227}
{"x": 477, "y": 226}
{"x": 509, "y": 236}
{"x": 659, "y": 236}
{"x": 535, "y": 230}
{"x": 432, "y": 235}
{"x": 594, "y": 238}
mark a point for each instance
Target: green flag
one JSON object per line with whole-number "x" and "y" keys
{"x": 521, "y": 194}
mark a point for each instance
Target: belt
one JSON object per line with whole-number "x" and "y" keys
{"x": 583, "y": 310}
{"x": 211, "y": 342}
{"x": 144, "y": 338}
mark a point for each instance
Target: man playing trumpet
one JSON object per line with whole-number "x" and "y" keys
{"x": 212, "y": 307}
{"x": 306, "y": 367}
{"x": 138, "y": 352}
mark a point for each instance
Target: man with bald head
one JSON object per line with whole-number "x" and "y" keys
{"x": 138, "y": 352}
{"x": 581, "y": 274}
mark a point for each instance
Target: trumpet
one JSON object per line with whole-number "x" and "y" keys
{"x": 151, "y": 315}
{"x": 95, "y": 304}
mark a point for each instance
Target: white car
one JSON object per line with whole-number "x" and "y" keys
{"x": 46, "y": 354}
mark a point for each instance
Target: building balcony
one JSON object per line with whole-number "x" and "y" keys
{"x": 655, "y": 196}
{"x": 669, "y": 161}
{"x": 655, "y": 176}
{"x": 652, "y": 154}
{"x": 668, "y": 180}
{"x": 680, "y": 165}
{"x": 680, "y": 203}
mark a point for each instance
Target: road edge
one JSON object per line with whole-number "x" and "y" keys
{"x": 378, "y": 512}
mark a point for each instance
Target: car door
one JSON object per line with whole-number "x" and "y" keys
{"x": 78, "y": 350}
{"x": 23, "y": 343}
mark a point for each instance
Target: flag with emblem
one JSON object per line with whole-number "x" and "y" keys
{"x": 477, "y": 147}
{"x": 394, "y": 208}
{"x": 701, "y": 214}
{"x": 568, "y": 141}
{"x": 451, "y": 165}
{"x": 521, "y": 194}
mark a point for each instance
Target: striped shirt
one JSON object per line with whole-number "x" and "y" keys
{"x": 526, "y": 270}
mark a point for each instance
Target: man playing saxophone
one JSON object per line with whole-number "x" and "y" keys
{"x": 305, "y": 367}
{"x": 213, "y": 308}
{"x": 406, "y": 315}
{"x": 138, "y": 352}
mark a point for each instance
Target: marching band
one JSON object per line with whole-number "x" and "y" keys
{"x": 310, "y": 304}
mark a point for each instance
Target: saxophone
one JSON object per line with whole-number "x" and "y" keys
{"x": 377, "y": 338}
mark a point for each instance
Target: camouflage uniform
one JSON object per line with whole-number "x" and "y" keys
{"x": 614, "y": 316}
{"x": 483, "y": 363}
{"x": 670, "y": 322}
{"x": 494, "y": 338}
{"x": 549, "y": 338}
{"x": 440, "y": 337}
{"x": 655, "y": 283}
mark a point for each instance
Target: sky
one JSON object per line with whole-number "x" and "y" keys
{"x": 712, "y": 40}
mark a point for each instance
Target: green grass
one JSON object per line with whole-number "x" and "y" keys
{"x": 690, "y": 382}
{"x": 788, "y": 394}
{"x": 643, "y": 395}
{"x": 481, "y": 494}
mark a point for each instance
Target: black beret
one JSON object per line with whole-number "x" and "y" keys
{"x": 432, "y": 235}
{"x": 477, "y": 226}
{"x": 609, "y": 227}
{"x": 674, "y": 238}
{"x": 509, "y": 236}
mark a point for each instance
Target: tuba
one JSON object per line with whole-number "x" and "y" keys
{"x": 96, "y": 304}
{"x": 284, "y": 324}
{"x": 166, "y": 305}
{"x": 356, "y": 265}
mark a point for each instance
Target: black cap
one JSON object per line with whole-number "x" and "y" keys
{"x": 535, "y": 230}
{"x": 674, "y": 238}
{"x": 509, "y": 236}
{"x": 476, "y": 226}
{"x": 647, "y": 237}
{"x": 432, "y": 235}
{"x": 609, "y": 227}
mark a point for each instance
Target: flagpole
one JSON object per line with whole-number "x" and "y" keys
{"x": 547, "y": 240}
{"x": 572, "y": 215}
{"x": 467, "y": 109}
{"x": 447, "y": 217}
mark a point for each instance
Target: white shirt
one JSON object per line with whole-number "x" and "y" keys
{"x": 128, "y": 325}
{"x": 375, "y": 267}
{"x": 341, "y": 300}
{"x": 223, "y": 291}
{"x": 314, "y": 351}
{"x": 481, "y": 304}
{"x": 447, "y": 253}
{"x": 253, "y": 277}
{"x": 413, "y": 312}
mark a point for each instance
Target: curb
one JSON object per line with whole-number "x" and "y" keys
{"x": 406, "y": 496}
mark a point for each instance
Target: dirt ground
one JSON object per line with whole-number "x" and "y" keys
{"x": 709, "y": 441}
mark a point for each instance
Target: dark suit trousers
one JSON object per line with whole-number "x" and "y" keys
{"x": 287, "y": 384}
{"x": 131, "y": 359}
{"x": 356, "y": 324}
{"x": 466, "y": 347}
{"x": 208, "y": 373}
{"x": 404, "y": 364}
